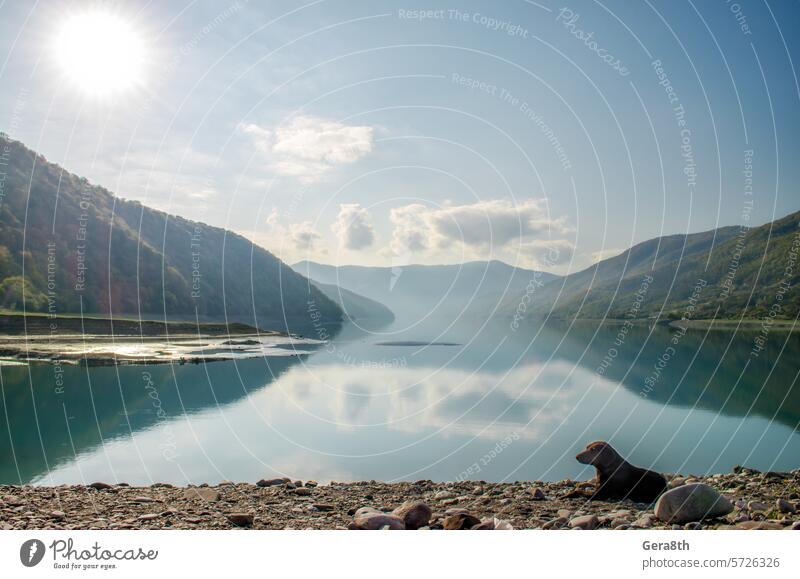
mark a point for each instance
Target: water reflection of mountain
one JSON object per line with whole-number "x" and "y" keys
{"x": 109, "y": 403}
{"x": 712, "y": 371}
{"x": 705, "y": 371}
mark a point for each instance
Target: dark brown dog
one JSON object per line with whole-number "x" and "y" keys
{"x": 616, "y": 478}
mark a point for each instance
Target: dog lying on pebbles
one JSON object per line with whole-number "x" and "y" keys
{"x": 617, "y": 479}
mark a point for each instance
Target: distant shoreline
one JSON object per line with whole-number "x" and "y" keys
{"x": 726, "y": 324}
{"x": 38, "y": 324}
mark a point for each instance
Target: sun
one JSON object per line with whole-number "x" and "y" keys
{"x": 100, "y": 52}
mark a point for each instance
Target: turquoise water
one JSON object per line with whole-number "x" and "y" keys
{"x": 443, "y": 402}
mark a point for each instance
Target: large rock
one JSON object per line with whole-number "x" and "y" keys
{"x": 370, "y": 519}
{"x": 691, "y": 502}
{"x": 415, "y": 514}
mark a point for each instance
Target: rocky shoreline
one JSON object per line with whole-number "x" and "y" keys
{"x": 756, "y": 501}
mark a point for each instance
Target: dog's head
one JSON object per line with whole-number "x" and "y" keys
{"x": 598, "y": 454}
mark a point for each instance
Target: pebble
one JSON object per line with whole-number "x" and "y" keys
{"x": 100, "y": 486}
{"x": 693, "y": 526}
{"x": 644, "y": 522}
{"x": 143, "y": 499}
{"x": 460, "y": 522}
{"x": 538, "y": 494}
{"x": 241, "y": 519}
{"x": 757, "y": 506}
{"x": 370, "y": 519}
{"x": 58, "y": 515}
{"x": 785, "y": 506}
{"x": 558, "y": 523}
{"x": 586, "y": 522}
{"x": 272, "y": 482}
{"x": 202, "y": 494}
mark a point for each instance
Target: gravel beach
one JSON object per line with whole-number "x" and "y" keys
{"x": 749, "y": 500}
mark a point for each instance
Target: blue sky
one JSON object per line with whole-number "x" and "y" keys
{"x": 368, "y": 132}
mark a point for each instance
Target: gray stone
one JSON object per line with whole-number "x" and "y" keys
{"x": 415, "y": 514}
{"x": 757, "y": 506}
{"x": 691, "y": 502}
{"x": 538, "y": 494}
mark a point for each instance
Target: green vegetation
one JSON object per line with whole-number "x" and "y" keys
{"x": 67, "y": 246}
{"x": 731, "y": 272}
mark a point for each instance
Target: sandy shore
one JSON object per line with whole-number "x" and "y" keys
{"x": 761, "y": 500}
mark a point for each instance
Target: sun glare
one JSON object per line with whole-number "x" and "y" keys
{"x": 100, "y": 52}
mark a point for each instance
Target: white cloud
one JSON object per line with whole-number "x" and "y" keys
{"x": 303, "y": 235}
{"x": 294, "y": 240}
{"x": 410, "y": 231}
{"x": 353, "y": 227}
{"x": 484, "y": 225}
{"x": 307, "y": 147}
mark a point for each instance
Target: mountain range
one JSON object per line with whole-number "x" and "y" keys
{"x": 443, "y": 290}
{"x": 729, "y": 272}
{"x": 68, "y": 246}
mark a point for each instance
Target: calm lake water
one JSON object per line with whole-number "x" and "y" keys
{"x": 442, "y": 402}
